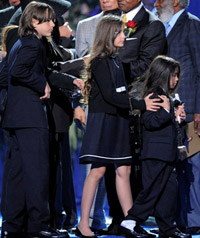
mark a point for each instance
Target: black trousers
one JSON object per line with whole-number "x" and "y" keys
{"x": 62, "y": 195}
{"x": 158, "y": 196}
{"x": 26, "y": 185}
{"x": 115, "y": 210}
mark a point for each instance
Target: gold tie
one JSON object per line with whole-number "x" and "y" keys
{"x": 124, "y": 18}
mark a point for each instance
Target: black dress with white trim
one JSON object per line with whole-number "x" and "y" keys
{"x": 106, "y": 139}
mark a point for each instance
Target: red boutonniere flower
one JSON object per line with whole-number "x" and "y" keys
{"x": 130, "y": 26}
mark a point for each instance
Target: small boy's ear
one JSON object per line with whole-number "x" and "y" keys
{"x": 34, "y": 22}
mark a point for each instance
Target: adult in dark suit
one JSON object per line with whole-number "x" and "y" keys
{"x": 183, "y": 32}
{"x": 62, "y": 197}
{"x": 60, "y": 115}
{"x": 143, "y": 45}
{"x": 7, "y": 13}
{"x": 4, "y": 4}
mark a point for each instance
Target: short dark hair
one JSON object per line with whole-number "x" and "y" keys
{"x": 34, "y": 10}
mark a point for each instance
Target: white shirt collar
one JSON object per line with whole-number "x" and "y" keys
{"x": 130, "y": 15}
{"x": 175, "y": 17}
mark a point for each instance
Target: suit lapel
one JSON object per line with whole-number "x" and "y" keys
{"x": 141, "y": 18}
{"x": 177, "y": 27}
{"x": 98, "y": 17}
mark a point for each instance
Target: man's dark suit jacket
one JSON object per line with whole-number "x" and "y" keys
{"x": 26, "y": 85}
{"x": 183, "y": 45}
{"x": 142, "y": 46}
{"x": 6, "y": 14}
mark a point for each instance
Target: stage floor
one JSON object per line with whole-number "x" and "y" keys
{"x": 112, "y": 236}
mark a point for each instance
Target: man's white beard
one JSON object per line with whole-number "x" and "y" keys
{"x": 166, "y": 14}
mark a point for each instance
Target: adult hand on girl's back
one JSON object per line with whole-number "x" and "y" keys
{"x": 47, "y": 92}
{"x": 165, "y": 102}
{"x": 152, "y": 104}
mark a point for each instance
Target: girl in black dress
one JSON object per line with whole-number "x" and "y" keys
{"x": 106, "y": 139}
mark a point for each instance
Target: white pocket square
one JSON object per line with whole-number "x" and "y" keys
{"x": 131, "y": 38}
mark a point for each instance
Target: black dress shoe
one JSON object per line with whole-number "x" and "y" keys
{"x": 78, "y": 233}
{"x": 113, "y": 229}
{"x": 140, "y": 230}
{"x": 50, "y": 233}
{"x": 154, "y": 230}
{"x": 62, "y": 232}
{"x": 7, "y": 234}
{"x": 177, "y": 234}
{"x": 131, "y": 233}
{"x": 193, "y": 230}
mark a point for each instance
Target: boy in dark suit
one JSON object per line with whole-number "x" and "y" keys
{"x": 158, "y": 155}
{"x": 26, "y": 191}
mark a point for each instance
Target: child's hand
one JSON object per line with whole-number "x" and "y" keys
{"x": 180, "y": 113}
{"x": 165, "y": 102}
{"x": 80, "y": 115}
{"x": 152, "y": 104}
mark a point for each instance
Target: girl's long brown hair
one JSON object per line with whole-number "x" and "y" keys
{"x": 103, "y": 45}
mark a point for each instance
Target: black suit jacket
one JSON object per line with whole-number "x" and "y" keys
{"x": 6, "y": 14}
{"x": 58, "y": 121}
{"x": 159, "y": 135}
{"x": 142, "y": 46}
{"x": 26, "y": 85}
